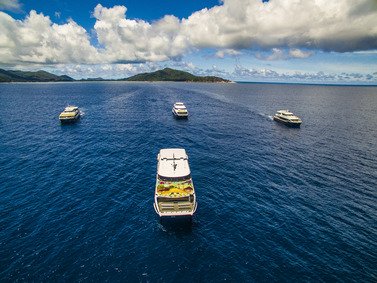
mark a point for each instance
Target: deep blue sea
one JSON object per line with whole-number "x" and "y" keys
{"x": 275, "y": 204}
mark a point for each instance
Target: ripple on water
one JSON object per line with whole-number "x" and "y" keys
{"x": 274, "y": 203}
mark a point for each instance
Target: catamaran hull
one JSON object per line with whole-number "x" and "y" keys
{"x": 287, "y": 123}
{"x": 179, "y": 116}
{"x": 69, "y": 121}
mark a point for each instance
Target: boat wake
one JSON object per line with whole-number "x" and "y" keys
{"x": 161, "y": 227}
{"x": 264, "y": 115}
{"x": 118, "y": 202}
{"x": 82, "y": 111}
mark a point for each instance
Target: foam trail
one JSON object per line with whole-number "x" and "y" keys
{"x": 82, "y": 111}
{"x": 265, "y": 116}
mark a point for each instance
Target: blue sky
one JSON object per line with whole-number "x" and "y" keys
{"x": 80, "y": 11}
{"x": 243, "y": 40}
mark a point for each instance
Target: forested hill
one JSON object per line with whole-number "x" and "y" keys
{"x": 39, "y": 76}
{"x": 168, "y": 74}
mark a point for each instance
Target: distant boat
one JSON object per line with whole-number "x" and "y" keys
{"x": 70, "y": 115}
{"x": 174, "y": 192}
{"x": 179, "y": 110}
{"x": 287, "y": 118}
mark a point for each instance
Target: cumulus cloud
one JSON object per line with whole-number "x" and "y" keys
{"x": 343, "y": 25}
{"x": 297, "y": 53}
{"x": 275, "y": 54}
{"x": 242, "y": 73}
{"x": 227, "y": 52}
{"x": 126, "y": 40}
{"x": 277, "y": 29}
{"x": 340, "y": 26}
{"x": 241, "y": 24}
{"x": 10, "y": 5}
{"x": 38, "y": 40}
{"x": 281, "y": 54}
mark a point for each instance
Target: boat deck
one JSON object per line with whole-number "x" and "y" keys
{"x": 182, "y": 206}
{"x": 174, "y": 189}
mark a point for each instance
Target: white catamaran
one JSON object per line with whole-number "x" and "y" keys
{"x": 287, "y": 118}
{"x": 70, "y": 115}
{"x": 180, "y": 111}
{"x": 174, "y": 192}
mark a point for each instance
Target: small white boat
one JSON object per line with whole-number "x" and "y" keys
{"x": 174, "y": 192}
{"x": 287, "y": 118}
{"x": 70, "y": 115}
{"x": 179, "y": 110}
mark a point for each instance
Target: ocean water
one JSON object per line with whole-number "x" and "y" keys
{"x": 274, "y": 203}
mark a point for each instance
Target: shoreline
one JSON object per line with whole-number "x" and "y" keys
{"x": 224, "y": 82}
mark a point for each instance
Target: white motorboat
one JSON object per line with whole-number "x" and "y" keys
{"x": 179, "y": 110}
{"x": 70, "y": 115}
{"x": 287, "y": 118}
{"x": 174, "y": 192}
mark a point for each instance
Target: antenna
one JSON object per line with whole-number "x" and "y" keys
{"x": 174, "y": 165}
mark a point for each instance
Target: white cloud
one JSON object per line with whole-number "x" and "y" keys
{"x": 343, "y": 25}
{"x": 281, "y": 54}
{"x": 38, "y": 40}
{"x": 10, "y": 5}
{"x": 297, "y": 53}
{"x": 224, "y": 52}
{"x": 242, "y": 73}
{"x": 126, "y": 40}
{"x": 276, "y": 30}
{"x": 275, "y": 54}
{"x": 241, "y": 24}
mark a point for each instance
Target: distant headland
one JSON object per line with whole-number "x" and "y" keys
{"x": 167, "y": 75}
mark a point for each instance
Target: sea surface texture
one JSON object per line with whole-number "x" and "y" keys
{"x": 274, "y": 203}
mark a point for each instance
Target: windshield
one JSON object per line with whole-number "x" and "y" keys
{"x": 174, "y": 179}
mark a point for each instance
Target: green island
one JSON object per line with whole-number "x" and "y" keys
{"x": 172, "y": 75}
{"x": 39, "y": 76}
{"x": 166, "y": 74}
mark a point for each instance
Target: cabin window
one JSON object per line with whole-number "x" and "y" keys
{"x": 174, "y": 179}
{"x": 176, "y": 199}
